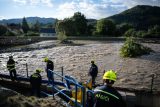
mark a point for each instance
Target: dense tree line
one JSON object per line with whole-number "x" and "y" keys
{"x": 23, "y": 29}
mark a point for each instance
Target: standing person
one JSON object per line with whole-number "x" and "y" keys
{"x": 106, "y": 95}
{"x": 93, "y": 71}
{"x": 49, "y": 66}
{"x": 11, "y": 68}
{"x": 35, "y": 81}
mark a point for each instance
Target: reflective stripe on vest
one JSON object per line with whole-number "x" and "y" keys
{"x": 35, "y": 76}
{"x": 10, "y": 65}
{"x": 106, "y": 93}
{"x": 10, "y": 69}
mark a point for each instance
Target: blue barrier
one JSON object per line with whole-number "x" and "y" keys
{"x": 90, "y": 98}
{"x": 70, "y": 80}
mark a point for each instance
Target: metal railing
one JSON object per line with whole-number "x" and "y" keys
{"x": 76, "y": 85}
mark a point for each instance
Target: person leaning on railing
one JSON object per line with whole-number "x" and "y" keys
{"x": 49, "y": 69}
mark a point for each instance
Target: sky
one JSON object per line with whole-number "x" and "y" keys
{"x": 61, "y": 9}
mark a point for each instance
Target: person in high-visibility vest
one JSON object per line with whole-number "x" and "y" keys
{"x": 106, "y": 95}
{"x": 11, "y": 68}
{"x": 35, "y": 82}
{"x": 49, "y": 66}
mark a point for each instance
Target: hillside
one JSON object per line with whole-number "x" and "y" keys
{"x": 29, "y": 20}
{"x": 140, "y": 16}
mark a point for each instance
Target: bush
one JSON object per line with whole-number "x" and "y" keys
{"x": 62, "y": 37}
{"x": 10, "y": 33}
{"x": 141, "y": 34}
{"x": 154, "y": 32}
{"x": 133, "y": 49}
{"x": 130, "y": 33}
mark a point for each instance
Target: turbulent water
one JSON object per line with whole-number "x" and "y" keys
{"x": 132, "y": 72}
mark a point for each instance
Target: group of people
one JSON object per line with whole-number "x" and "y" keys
{"x": 105, "y": 96}
{"x": 35, "y": 78}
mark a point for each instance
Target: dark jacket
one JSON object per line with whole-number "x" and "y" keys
{"x": 106, "y": 96}
{"x": 35, "y": 80}
{"x": 50, "y": 65}
{"x": 11, "y": 64}
{"x": 93, "y": 71}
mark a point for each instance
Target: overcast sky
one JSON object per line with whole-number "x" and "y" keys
{"x": 65, "y": 8}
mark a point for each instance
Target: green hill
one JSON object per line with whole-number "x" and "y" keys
{"x": 141, "y": 16}
{"x": 29, "y": 20}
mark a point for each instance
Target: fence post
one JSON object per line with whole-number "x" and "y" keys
{"x": 62, "y": 73}
{"x": 84, "y": 99}
{"x": 152, "y": 82}
{"x": 27, "y": 69}
{"x": 76, "y": 93}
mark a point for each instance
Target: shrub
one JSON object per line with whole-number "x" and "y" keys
{"x": 141, "y": 34}
{"x": 154, "y": 32}
{"x": 133, "y": 49}
{"x": 62, "y": 37}
{"x": 130, "y": 33}
{"x": 10, "y": 33}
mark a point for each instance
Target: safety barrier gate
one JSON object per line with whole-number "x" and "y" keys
{"x": 70, "y": 80}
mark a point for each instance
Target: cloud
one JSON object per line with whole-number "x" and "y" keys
{"x": 99, "y": 8}
{"x": 35, "y": 2}
{"x": 89, "y": 8}
{"x": 131, "y": 3}
{"x": 47, "y": 2}
{"x": 22, "y": 2}
{"x": 2, "y": 17}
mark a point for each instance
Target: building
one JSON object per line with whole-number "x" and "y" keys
{"x": 47, "y": 32}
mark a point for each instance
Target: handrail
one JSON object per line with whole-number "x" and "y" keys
{"x": 76, "y": 90}
{"x": 90, "y": 98}
{"x": 65, "y": 78}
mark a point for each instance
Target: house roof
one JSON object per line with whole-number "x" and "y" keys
{"x": 47, "y": 30}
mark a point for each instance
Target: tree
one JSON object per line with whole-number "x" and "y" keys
{"x": 55, "y": 23}
{"x": 90, "y": 29}
{"x": 25, "y": 26}
{"x": 154, "y": 32}
{"x": 36, "y": 26}
{"x": 80, "y": 23}
{"x": 105, "y": 27}
{"x": 76, "y": 25}
{"x": 122, "y": 28}
{"x": 66, "y": 26}
{"x": 3, "y": 30}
